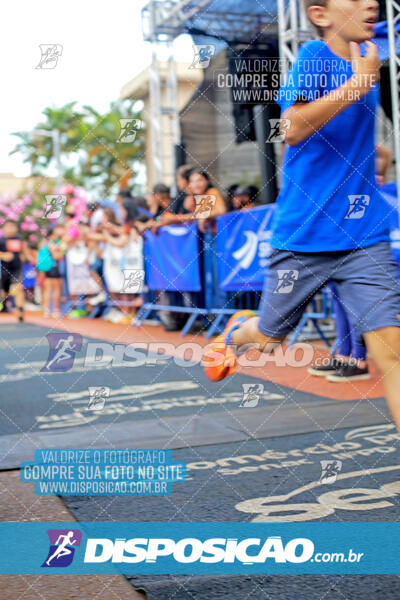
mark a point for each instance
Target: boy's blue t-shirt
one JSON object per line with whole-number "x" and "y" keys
{"x": 329, "y": 198}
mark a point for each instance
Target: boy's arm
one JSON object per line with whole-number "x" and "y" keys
{"x": 383, "y": 160}
{"x": 306, "y": 119}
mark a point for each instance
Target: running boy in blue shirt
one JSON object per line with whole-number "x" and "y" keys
{"x": 332, "y": 223}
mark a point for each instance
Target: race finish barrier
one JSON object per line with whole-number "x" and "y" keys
{"x": 174, "y": 263}
{"x": 220, "y": 273}
{"x": 226, "y": 272}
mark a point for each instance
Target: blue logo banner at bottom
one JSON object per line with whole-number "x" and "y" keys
{"x": 208, "y": 548}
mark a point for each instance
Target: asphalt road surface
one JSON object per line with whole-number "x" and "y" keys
{"x": 257, "y": 460}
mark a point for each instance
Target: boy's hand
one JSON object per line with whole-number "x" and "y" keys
{"x": 383, "y": 160}
{"x": 366, "y": 68}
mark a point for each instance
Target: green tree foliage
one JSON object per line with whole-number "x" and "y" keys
{"x": 93, "y": 152}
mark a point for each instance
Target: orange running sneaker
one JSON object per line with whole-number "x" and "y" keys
{"x": 219, "y": 360}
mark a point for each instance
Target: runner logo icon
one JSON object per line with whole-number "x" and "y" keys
{"x": 63, "y": 347}
{"x": 128, "y": 130}
{"x": 203, "y": 54}
{"x": 358, "y": 205}
{"x": 279, "y": 129}
{"x": 133, "y": 281}
{"x": 61, "y": 551}
{"x": 251, "y": 394}
{"x": 98, "y": 396}
{"x": 204, "y": 205}
{"x": 50, "y": 54}
{"x": 54, "y": 205}
{"x": 286, "y": 281}
{"x": 330, "y": 470}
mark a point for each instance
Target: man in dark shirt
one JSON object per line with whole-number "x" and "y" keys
{"x": 160, "y": 203}
{"x": 11, "y": 246}
{"x": 162, "y": 200}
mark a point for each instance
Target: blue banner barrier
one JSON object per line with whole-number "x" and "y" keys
{"x": 243, "y": 248}
{"x": 231, "y": 269}
{"x": 390, "y": 195}
{"x": 172, "y": 259}
{"x": 202, "y": 547}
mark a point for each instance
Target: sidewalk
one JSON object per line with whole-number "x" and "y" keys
{"x": 19, "y": 503}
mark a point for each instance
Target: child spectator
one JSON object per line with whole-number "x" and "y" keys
{"x": 49, "y": 260}
{"x": 11, "y": 248}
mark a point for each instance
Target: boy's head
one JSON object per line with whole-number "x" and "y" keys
{"x": 351, "y": 20}
{"x": 10, "y": 229}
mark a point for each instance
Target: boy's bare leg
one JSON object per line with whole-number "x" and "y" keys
{"x": 384, "y": 347}
{"x": 248, "y": 333}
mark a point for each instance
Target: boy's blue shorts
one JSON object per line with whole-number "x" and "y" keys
{"x": 367, "y": 279}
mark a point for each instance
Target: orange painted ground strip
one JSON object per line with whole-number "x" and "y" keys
{"x": 293, "y": 377}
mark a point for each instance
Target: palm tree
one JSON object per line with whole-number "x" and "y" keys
{"x": 91, "y": 152}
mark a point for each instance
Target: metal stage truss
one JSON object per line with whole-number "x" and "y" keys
{"x": 171, "y": 18}
{"x": 393, "y": 17}
{"x": 164, "y": 20}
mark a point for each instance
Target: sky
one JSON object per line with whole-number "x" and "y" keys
{"x": 103, "y": 49}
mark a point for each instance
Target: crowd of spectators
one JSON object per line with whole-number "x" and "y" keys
{"x": 116, "y": 223}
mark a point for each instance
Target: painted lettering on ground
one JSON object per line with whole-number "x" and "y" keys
{"x": 374, "y": 441}
{"x": 379, "y": 435}
{"x": 77, "y": 401}
{"x": 26, "y": 370}
{"x": 127, "y": 392}
{"x": 279, "y": 509}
